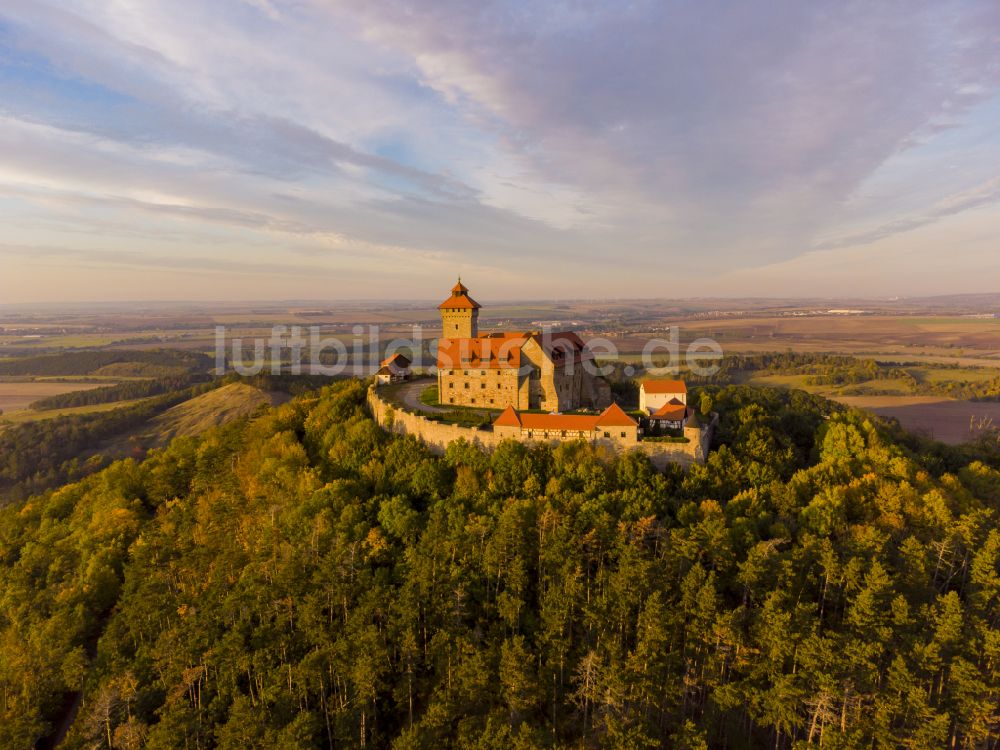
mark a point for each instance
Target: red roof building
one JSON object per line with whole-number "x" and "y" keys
{"x": 612, "y": 424}
{"x": 664, "y": 386}
{"x": 459, "y": 299}
{"x": 655, "y": 393}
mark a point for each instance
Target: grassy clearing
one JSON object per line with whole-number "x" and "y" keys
{"x": 17, "y": 396}
{"x": 787, "y": 381}
{"x": 962, "y": 374}
{"x": 69, "y": 341}
{"x": 926, "y": 375}
{"x": 878, "y": 387}
{"x": 461, "y": 415}
{"x": 30, "y": 415}
{"x": 429, "y": 396}
{"x": 196, "y": 415}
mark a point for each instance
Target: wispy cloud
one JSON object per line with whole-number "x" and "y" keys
{"x": 597, "y": 146}
{"x": 981, "y": 195}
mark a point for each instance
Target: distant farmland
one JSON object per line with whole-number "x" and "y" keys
{"x": 16, "y": 396}
{"x": 946, "y": 420}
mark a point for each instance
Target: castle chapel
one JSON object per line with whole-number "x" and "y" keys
{"x": 525, "y": 370}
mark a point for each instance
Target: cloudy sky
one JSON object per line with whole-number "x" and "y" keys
{"x": 259, "y": 149}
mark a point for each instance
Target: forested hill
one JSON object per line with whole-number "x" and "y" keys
{"x": 303, "y": 580}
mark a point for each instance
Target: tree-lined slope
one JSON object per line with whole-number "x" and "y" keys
{"x": 304, "y": 580}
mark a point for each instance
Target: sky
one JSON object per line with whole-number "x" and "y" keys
{"x": 318, "y": 149}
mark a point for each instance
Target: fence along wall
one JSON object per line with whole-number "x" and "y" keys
{"x": 437, "y": 435}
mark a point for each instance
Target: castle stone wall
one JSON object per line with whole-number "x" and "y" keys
{"x": 437, "y": 435}
{"x": 695, "y": 451}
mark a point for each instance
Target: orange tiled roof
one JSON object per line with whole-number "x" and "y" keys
{"x": 664, "y": 386}
{"x": 508, "y": 418}
{"x": 486, "y": 352}
{"x": 613, "y": 416}
{"x": 572, "y": 422}
{"x": 671, "y": 412}
{"x": 459, "y": 302}
{"x": 459, "y": 299}
{"x": 498, "y": 350}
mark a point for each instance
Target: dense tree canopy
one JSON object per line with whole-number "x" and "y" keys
{"x": 36, "y": 456}
{"x": 303, "y": 580}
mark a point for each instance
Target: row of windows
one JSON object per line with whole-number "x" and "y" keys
{"x": 482, "y": 386}
{"x": 564, "y": 433}
{"x": 482, "y": 373}
{"x": 471, "y": 401}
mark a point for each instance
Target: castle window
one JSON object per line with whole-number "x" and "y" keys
{"x": 482, "y": 385}
{"x": 451, "y": 385}
{"x": 474, "y": 401}
{"x": 465, "y": 372}
{"x": 492, "y": 401}
{"x": 451, "y": 400}
{"x": 607, "y": 434}
{"x": 564, "y": 433}
{"x": 624, "y": 434}
{"x": 482, "y": 372}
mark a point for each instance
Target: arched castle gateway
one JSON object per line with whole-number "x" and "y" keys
{"x": 551, "y": 371}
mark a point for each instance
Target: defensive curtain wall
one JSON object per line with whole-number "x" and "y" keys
{"x": 437, "y": 435}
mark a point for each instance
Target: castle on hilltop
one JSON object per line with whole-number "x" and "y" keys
{"x": 551, "y": 371}
{"x": 543, "y": 387}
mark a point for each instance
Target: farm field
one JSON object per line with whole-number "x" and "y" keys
{"x": 17, "y": 396}
{"x": 965, "y": 374}
{"x": 30, "y": 415}
{"x": 787, "y": 381}
{"x": 947, "y": 420}
{"x": 891, "y": 387}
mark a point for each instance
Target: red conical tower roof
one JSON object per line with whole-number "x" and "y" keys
{"x": 460, "y": 298}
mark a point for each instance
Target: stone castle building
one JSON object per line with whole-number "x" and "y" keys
{"x": 525, "y": 370}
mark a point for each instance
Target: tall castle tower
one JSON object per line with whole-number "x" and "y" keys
{"x": 459, "y": 314}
